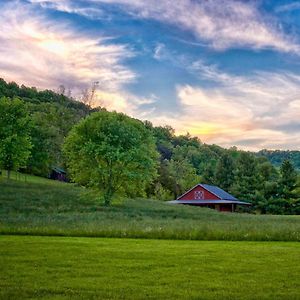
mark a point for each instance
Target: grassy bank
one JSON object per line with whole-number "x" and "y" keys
{"x": 44, "y": 207}
{"x": 85, "y": 268}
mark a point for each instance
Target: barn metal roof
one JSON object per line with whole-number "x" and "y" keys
{"x": 217, "y": 201}
{"x": 218, "y": 192}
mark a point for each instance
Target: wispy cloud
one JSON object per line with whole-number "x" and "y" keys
{"x": 288, "y": 7}
{"x": 72, "y": 7}
{"x": 260, "y": 111}
{"x": 37, "y": 51}
{"x": 159, "y": 51}
{"x": 221, "y": 24}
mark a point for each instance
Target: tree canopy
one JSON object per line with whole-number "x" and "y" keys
{"x": 113, "y": 153}
{"x": 15, "y": 126}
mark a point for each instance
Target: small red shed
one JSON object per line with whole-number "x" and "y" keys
{"x": 209, "y": 196}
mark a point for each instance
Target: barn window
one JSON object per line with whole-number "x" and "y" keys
{"x": 199, "y": 195}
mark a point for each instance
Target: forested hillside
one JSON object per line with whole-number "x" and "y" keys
{"x": 52, "y": 115}
{"x": 276, "y": 157}
{"x": 183, "y": 160}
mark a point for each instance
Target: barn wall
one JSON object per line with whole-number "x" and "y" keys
{"x": 191, "y": 194}
{"x": 224, "y": 207}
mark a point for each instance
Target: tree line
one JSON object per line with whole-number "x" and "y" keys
{"x": 119, "y": 155}
{"x": 185, "y": 161}
{"x": 276, "y": 157}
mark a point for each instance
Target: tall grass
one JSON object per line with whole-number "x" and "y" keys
{"x": 45, "y": 207}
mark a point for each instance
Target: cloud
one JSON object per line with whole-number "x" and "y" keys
{"x": 124, "y": 101}
{"x": 221, "y": 24}
{"x": 255, "y": 112}
{"x": 37, "y": 51}
{"x": 263, "y": 109}
{"x": 71, "y": 7}
{"x": 288, "y": 7}
{"x": 159, "y": 51}
{"x": 289, "y": 127}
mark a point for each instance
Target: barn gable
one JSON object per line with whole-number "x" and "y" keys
{"x": 198, "y": 192}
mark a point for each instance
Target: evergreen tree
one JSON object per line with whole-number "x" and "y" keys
{"x": 288, "y": 179}
{"x": 287, "y": 189}
{"x": 224, "y": 174}
{"x": 246, "y": 178}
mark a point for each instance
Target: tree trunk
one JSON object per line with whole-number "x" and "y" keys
{"x": 8, "y": 174}
{"x": 110, "y": 190}
{"x": 108, "y": 196}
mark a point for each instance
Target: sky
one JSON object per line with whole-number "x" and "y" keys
{"x": 225, "y": 71}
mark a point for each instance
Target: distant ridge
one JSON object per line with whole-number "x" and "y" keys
{"x": 276, "y": 157}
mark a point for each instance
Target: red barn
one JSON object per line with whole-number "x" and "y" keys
{"x": 209, "y": 196}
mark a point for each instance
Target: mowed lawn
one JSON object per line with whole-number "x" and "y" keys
{"x": 106, "y": 268}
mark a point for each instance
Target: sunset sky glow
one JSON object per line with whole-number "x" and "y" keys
{"x": 225, "y": 71}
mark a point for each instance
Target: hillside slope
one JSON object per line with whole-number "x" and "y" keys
{"x": 47, "y": 207}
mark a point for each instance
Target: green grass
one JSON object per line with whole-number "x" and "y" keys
{"x": 99, "y": 268}
{"x": 36, "y": 267}
{"x": 45, "y": 207}
{"x": 26, "y": 178}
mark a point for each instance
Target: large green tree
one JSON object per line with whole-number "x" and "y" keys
{"x": 15, "y": 140}
{"x": 112, "y": 153}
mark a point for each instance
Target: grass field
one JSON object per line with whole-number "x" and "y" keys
{"x": 99, "y": 268}
{"x": 37, "y": 206}
{"x": 66, "y": 263}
